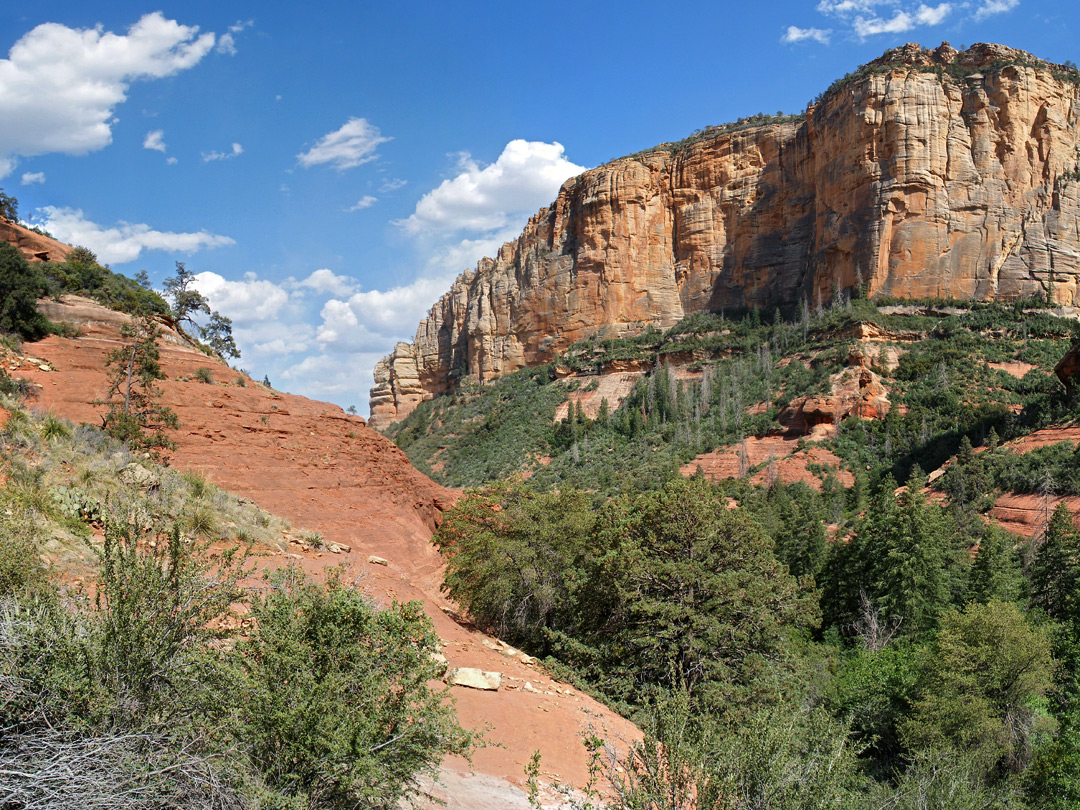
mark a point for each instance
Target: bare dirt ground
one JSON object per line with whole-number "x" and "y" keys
{"x": 326, "y": 471}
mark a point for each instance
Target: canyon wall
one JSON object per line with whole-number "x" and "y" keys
{"x": 928, "y": 174}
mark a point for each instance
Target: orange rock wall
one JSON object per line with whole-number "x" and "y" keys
{"x": 911, "y": 182}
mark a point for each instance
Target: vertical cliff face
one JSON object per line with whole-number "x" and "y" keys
{"x": 928, "y": 174}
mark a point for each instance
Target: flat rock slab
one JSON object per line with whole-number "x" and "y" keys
{"x": 474, "y": 678}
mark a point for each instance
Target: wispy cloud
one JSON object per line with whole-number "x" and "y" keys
{"x": 227, "y": 41}
{"x": 237, "y": 149}
{"x": 796, "y": 34}
{"x": 33, "y": 178}
{"x": 364, "y": 202}
{"x": 351, "y": 145}
{"x": 988, "y": 8}
{"x": 863, "y": 19}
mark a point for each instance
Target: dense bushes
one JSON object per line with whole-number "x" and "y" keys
{"x": 21, "y": 284}
{"x": 82, "y": 275}
{"x": 670, "y": 586}
{"x": 324, "y": 703}
{"x": 929, "y": 680}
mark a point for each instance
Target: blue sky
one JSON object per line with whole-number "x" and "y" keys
{"x": 327, "y": 169}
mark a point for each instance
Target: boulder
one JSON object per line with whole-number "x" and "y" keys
{"x": 474, "y": 678}
{"x": 136, "y": 475}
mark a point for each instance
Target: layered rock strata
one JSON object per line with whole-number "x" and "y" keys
{"x": 929, "y": 174}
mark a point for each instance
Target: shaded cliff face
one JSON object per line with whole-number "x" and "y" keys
{"x": 908, "y": 180}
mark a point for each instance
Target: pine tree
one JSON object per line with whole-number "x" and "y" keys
{"x": 1055, "y": 569}
{"x": 218, "y": 335}
{"x": 995, "y": 573}
{"x": 603, "y": 415}
{"x": 911, "y": 579}
{"x": 185, "y": 299}
{"x": 899, "y": 558}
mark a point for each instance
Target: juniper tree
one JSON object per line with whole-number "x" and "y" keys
{"x": 20, "y": 286}
{"x": 218, "y": 335}
{"x": 9, "y": 207}
{"x": 186, "y": 301}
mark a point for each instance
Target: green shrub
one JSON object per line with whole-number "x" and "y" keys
{"x": 203, "y": 375}
{"x": 21, "y": 568}
{"x": 336, "y": 710}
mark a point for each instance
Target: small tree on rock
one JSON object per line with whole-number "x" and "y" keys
{"x": 9, "y": 207}
{"x": 135, "y": 415}
{"x": 184, "y": 298}
{"x": 218, "y": 335}
{"x": 187, "y": 302}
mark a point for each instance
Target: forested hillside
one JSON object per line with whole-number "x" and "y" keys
{"x": 821, "y": 626}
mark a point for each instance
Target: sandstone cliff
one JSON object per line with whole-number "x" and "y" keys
{"x": 926, "y": 174}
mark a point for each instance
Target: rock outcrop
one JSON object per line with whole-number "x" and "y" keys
{"x": 927, "y": 174}
{"x": 33, "y": 245}
{"x": 1068, "y": 369}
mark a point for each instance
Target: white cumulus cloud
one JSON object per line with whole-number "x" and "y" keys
{"x": 388, "y": 314}
{"x": 155, "y": 139}
{"x": 988, "y": 8}
{"x": 60, "y": 86}
{"x": 252, "y": 299}
{"x": 526, "y": 176}
{"x": 796, "y": 34}
{"x": 351, "y": 145}
{"x": 867, "y": 18}
{"x": 30, "y": 178}
{"x": 327, "y": 281}
{"x": 125, "y": 241}
{"x": 237, "y": 149}
{"x": 933, "y": 15}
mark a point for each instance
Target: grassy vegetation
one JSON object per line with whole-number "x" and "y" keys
{"x": 70, "y": 478}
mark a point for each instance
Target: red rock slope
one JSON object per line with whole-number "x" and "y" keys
{"x": 326, "y": 471}
{"x": 34, "y": 246}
